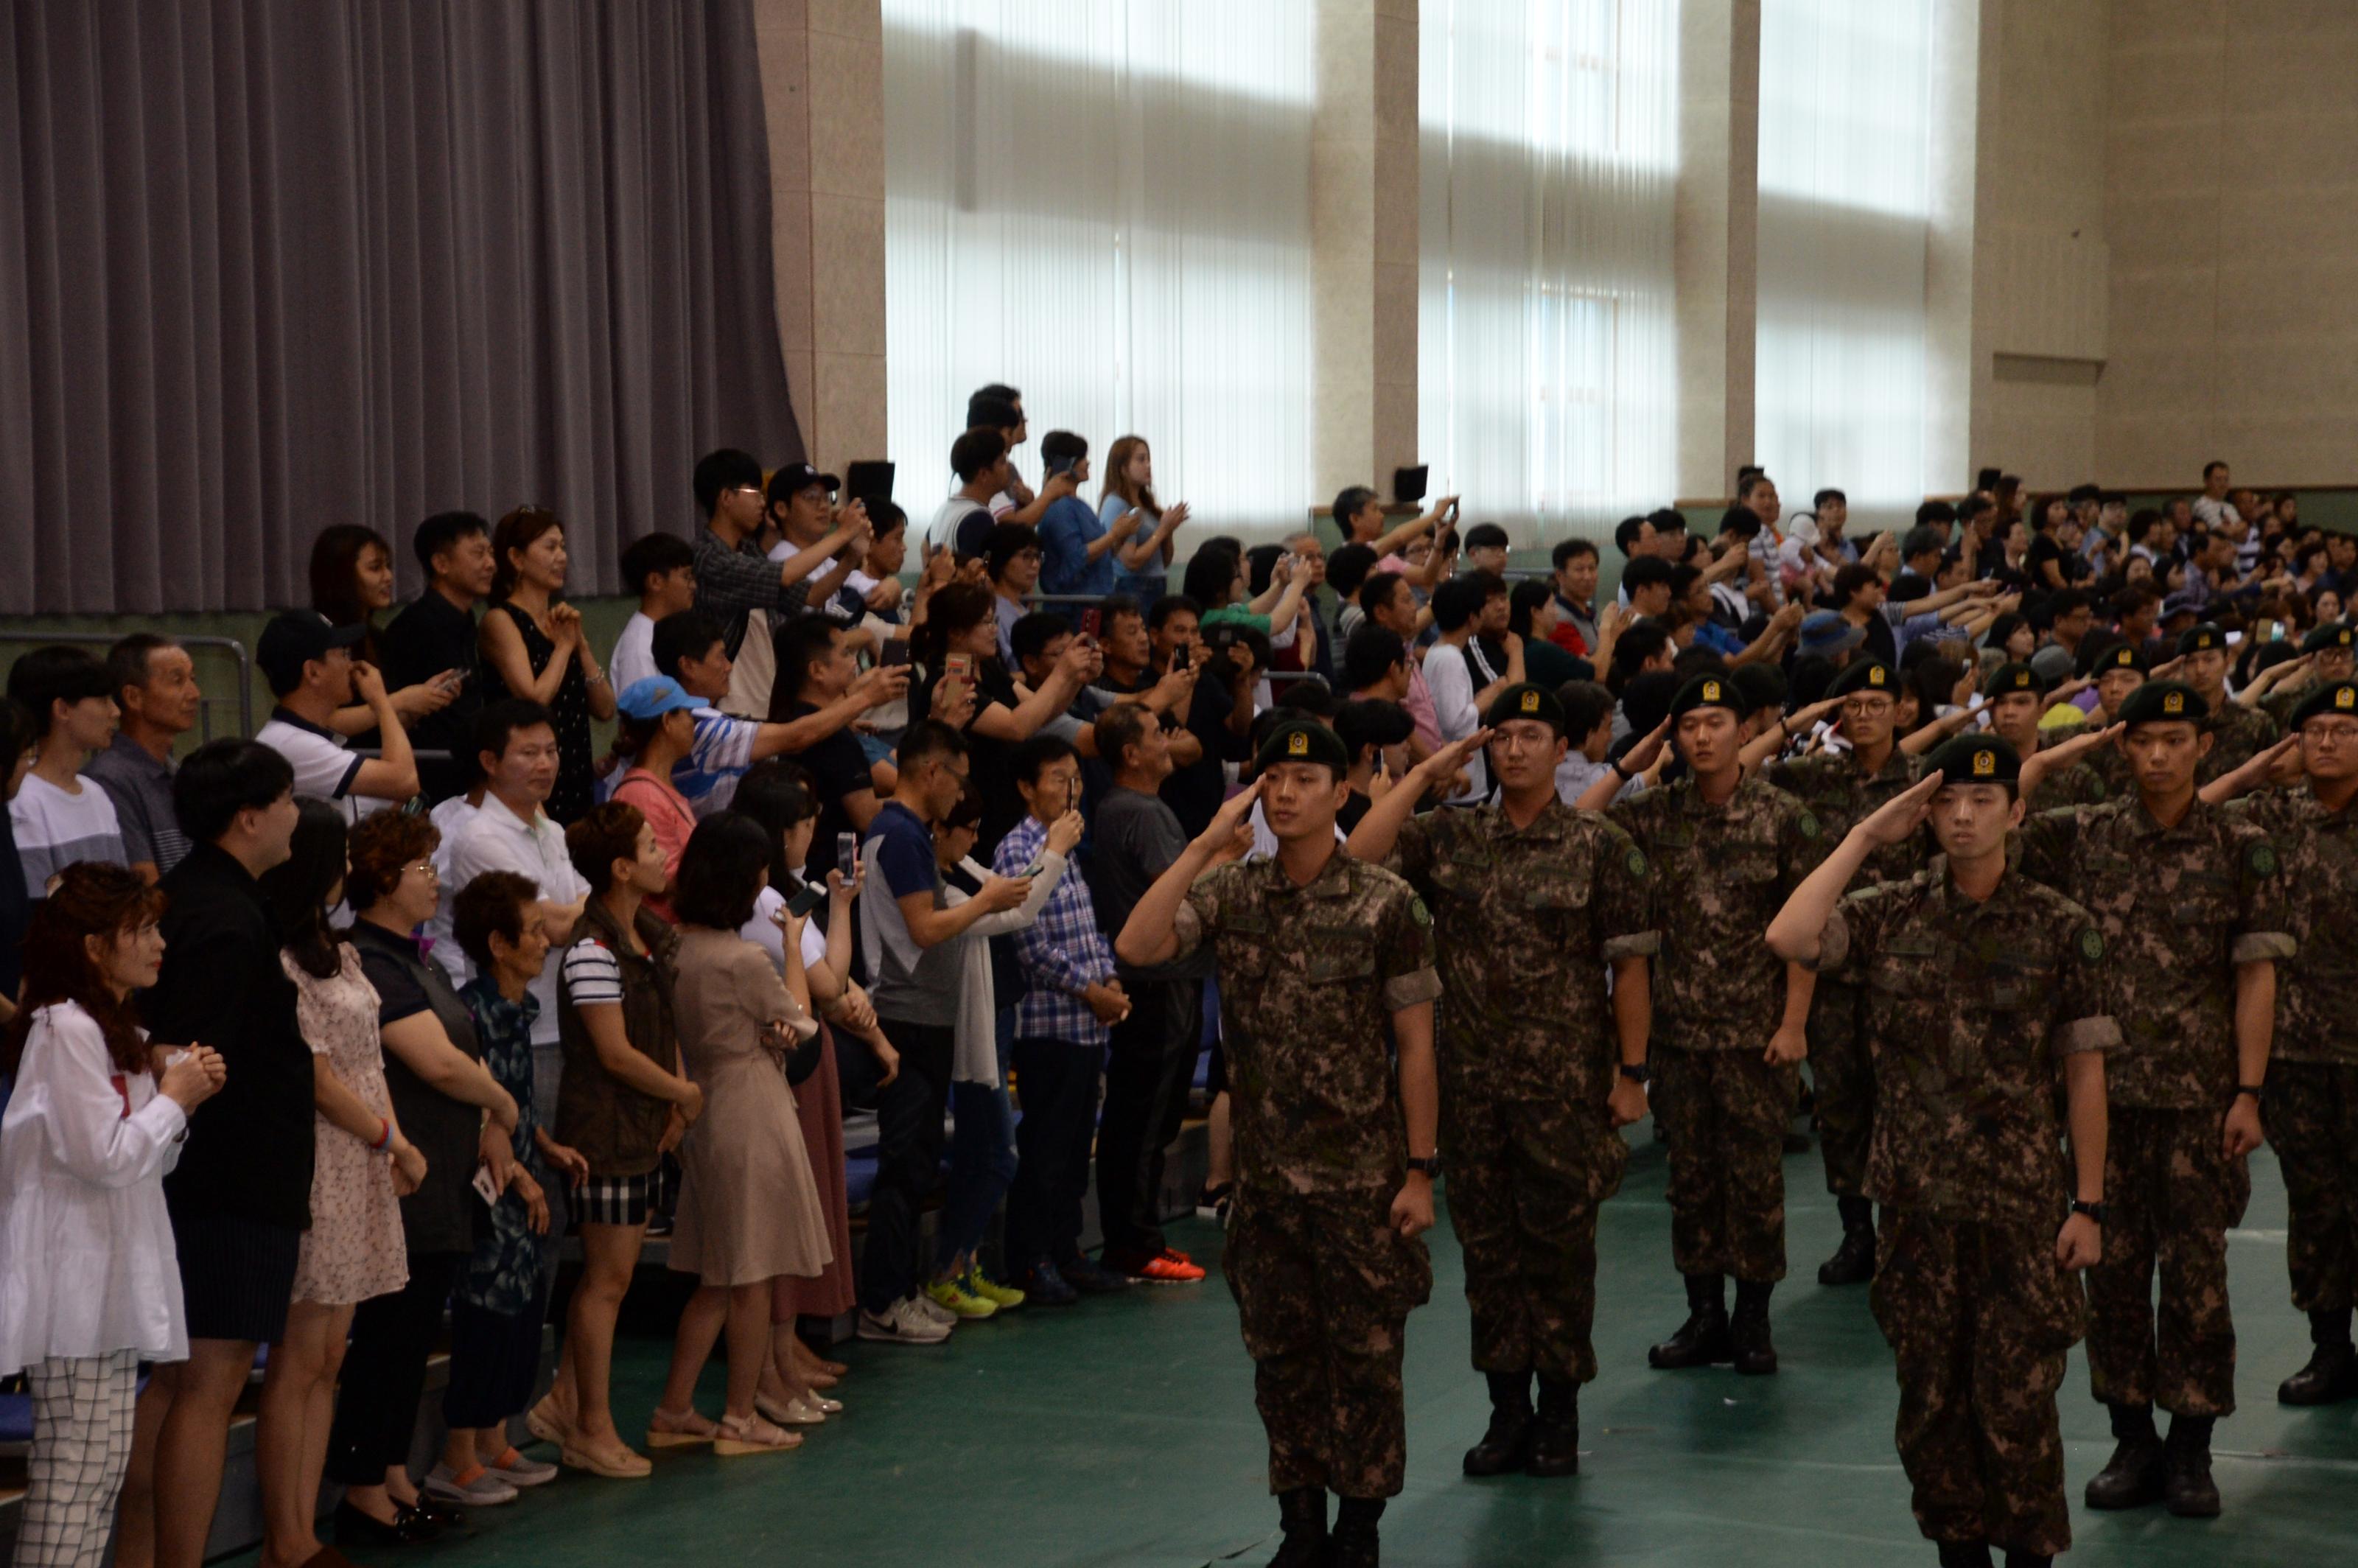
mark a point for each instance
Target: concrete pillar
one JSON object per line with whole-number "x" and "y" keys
{"x": 1363, "y": 204}
{"x": 823, "y": 93}
{"x": 1716, "y": 241}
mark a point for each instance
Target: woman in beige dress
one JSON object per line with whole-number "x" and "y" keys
{"x": 749, "y": 1211}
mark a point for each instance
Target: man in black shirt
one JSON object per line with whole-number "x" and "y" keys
{"x": 240, "y": 1196}
{"x": 817, "y": 669}
{"x": 437, "y": 633}
{"x": 1219, "y": 717}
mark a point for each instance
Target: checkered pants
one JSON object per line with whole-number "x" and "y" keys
{"x": 81, "y": 1445}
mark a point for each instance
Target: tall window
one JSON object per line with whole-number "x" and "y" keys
{"x": 1545, "y": 339}
{"x": 1844, "y": 149}
{"x": 1105, "y": 203}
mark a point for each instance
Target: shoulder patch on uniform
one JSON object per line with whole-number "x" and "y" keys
{"x": 2091, "y": 944}
{"x": 2261, "y": 858}
{"x": 1418, "y": 912}
{"x": 1807, "y": 824}
{"x": 1635, "y": 860}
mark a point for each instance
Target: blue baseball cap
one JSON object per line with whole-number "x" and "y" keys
{"x": 652, "y": 697}
{"x": 1825, "y": 631}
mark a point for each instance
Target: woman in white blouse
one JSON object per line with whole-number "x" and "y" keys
{"x": 89, "y": 1283}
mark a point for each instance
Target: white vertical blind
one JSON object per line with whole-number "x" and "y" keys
{"x": 1545, "y": 333}
{"x": 1105, "y": 203}
{"x": 1845, "y": 203}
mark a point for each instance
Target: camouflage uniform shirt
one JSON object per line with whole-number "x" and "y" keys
{"x": 1721, "y": 873}
{"x": 2318, "y": 851}
{"x": 1841, "y": 796}
{"x": 1973, "y": 1005}
{"x": 1527, "y": 919}
{"x": 2178, "y": 908}
{"x": 1309, "y": 979}
{"x": 2238, "y": 733}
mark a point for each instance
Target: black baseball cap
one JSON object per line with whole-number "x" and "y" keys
{"x": 795, "y": 477}
{"x": 295, "y": 637}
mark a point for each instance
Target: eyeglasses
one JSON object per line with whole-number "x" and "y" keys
{"x": 429, "y": 867}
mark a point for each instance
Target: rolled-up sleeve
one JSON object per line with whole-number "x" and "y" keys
{"x": 2264, "y": 946}
{"x": 1404, "y": 992}
{"x": 1637, "y": 945}
{"x": 2098, "y": 1032}
{"x": 1833, "y": 944}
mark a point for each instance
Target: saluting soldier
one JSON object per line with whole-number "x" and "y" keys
{"x": 1842, "y": 789}
{"x": 2018, "y": 699}
{"x": 2192, "y": 909}
{"x": 2313, "y": 1108}
{"x": 1729, "y": 1021}
{"x": 2238, "y": 733}
{"x": 1531, "y": 902}
{"x": 1984, "y": 987}
{"x": 2120, "y": 670}
{"x": 2328, "y": 654}
{"x": 1325, "y": 967}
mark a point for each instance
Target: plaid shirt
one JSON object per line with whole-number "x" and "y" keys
{"x": 733, "y": 583}
{"x": 1061, "y": 952}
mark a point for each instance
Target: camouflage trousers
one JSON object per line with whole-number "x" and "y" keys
{"x": 2312, "y": 1120}
{"x": 2171, "y": 1192}
{"x": 1323, "y": 1287}
{"x": 1979, "y": 1318}
{"x": 1842, "y": 1078}
{"x": 1525, "y": 1178}
{"x": 1725, "y": 1114}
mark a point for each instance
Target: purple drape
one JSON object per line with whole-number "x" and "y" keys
{"x": 272, "y": 264}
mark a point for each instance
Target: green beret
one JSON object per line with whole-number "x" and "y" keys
{"x": 2007, "y": 679}
{"x": 1708, "y": 691}
{"x": 2121, "y": 656}
{"x": 1864, "y": 674}
{"x": 2340, "y": 697}
{"x": 2164, "y": 701}
{"x": 2331, "y": 636}
{"x": 1527, "y": 700}
{"x": 1974, "y": 759}
{"x": 1303, "y": 741}
{"x": 2206, "y": 638}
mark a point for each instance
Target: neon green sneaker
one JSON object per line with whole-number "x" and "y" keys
{"x": 951, "y": 1297}
{"x": 1006, "y": 1298}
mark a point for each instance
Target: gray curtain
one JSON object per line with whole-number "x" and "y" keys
{"x": 272, "y": 264}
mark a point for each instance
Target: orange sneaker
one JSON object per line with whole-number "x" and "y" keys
{"x": 1167, "y": 1268}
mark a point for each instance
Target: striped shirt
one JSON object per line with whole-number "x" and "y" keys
{"x": 1062, "y": 952}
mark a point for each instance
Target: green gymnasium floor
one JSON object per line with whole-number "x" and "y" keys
{"x": 1122, "y": 1432}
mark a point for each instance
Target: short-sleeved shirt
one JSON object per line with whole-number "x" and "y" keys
{"x": 959, "y": 526}
{"x": 838, "y": 766}
{"x": 324, "y": 765}
{"x": 439, "y": 1216}
{"x": 1309, "y": 977}
{"x": 633, "y": 658}
{"x": 1067, "y": 529}
{"x": 2178, "y": 908}
{"x": 1972, "y": 1007}
{"x": 496, "y": 839}
{"x": 54, "y": 829}
{"x": 430, "y": 636}
{"x": 1195, "y": 791}
{"x": 1526, "y": 920}
{"x": 919, "y": 985}
{"x": 1721, "y": 873}
{"x": 1134, "y": 839}
{"x": 140, "y": 785}
{"x": 2318, "y": 851}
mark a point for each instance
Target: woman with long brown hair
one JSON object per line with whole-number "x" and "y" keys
{"x": 532, "y": 641}
{"x": 88, "y": 1281}
{"x": 1143, "y": 562}
{"x": 351, "y": 580}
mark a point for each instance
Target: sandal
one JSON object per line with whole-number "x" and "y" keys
{"x": 544, "y": 1422}
{"x": 677, "y": 1434}
{"x": 619, "y": 1465}
{"x": 739, "y": 1435}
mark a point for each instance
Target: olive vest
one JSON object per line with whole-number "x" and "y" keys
{"x": 615, "y": 1127}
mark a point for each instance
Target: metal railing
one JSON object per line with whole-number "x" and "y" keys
{"x": 204, "y": 705}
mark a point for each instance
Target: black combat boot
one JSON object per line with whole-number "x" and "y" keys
{"x": 2133, "y": 1478}
{"x": 1503, "y": 1446}
{"x": 1964, "y": 1554}
{"x": 2187, "y": 1486}
{"x": 2331, "y": 1375}
{"x": 1703, "y": 1338}
{"x": 1354, "y": 1544}
{"x": 1854, "y": 1261}
{"x": 2029, "y": 1560}
{"x": 1302, "y": 1511}
{"x": 1748, "y": 1331}
{"x": 1555, "y": 1435}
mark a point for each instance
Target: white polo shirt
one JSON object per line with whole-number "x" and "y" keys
{"x": 496, "y": 839}
{"x": 323, "y": 763}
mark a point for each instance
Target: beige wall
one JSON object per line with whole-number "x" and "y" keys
{"x": 2231, "y": 157}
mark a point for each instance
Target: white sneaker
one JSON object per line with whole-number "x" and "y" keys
{"x": 934, "y": 1310}
{"x": 902, "y": 1323}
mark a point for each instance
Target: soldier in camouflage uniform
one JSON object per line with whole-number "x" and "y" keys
{"x": 2330, "y": 652}
{"x": 1984, "y": 987}
{"x": 1325, "y": 967}
{"x": 1729, "y": 1021}
{"x": 2312, "y": 1104}
{"x": 1532, "y": 900}
{"x": 2192, "y": 910}
{"x": 2016, "y": 699}
{"x": 2120, "y": 670}
{"x": 2238, "y": 733}
{"x": 1842, "y": 789}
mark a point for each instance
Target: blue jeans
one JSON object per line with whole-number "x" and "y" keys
{"x": 982, "y": 1155}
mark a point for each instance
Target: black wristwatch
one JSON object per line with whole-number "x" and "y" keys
{"x": 2257, "y": 1091}
{"x": 2095, "y": 1211}
{"x": 1638, "y": 1074}
{"x": 1430, "y": 1165}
